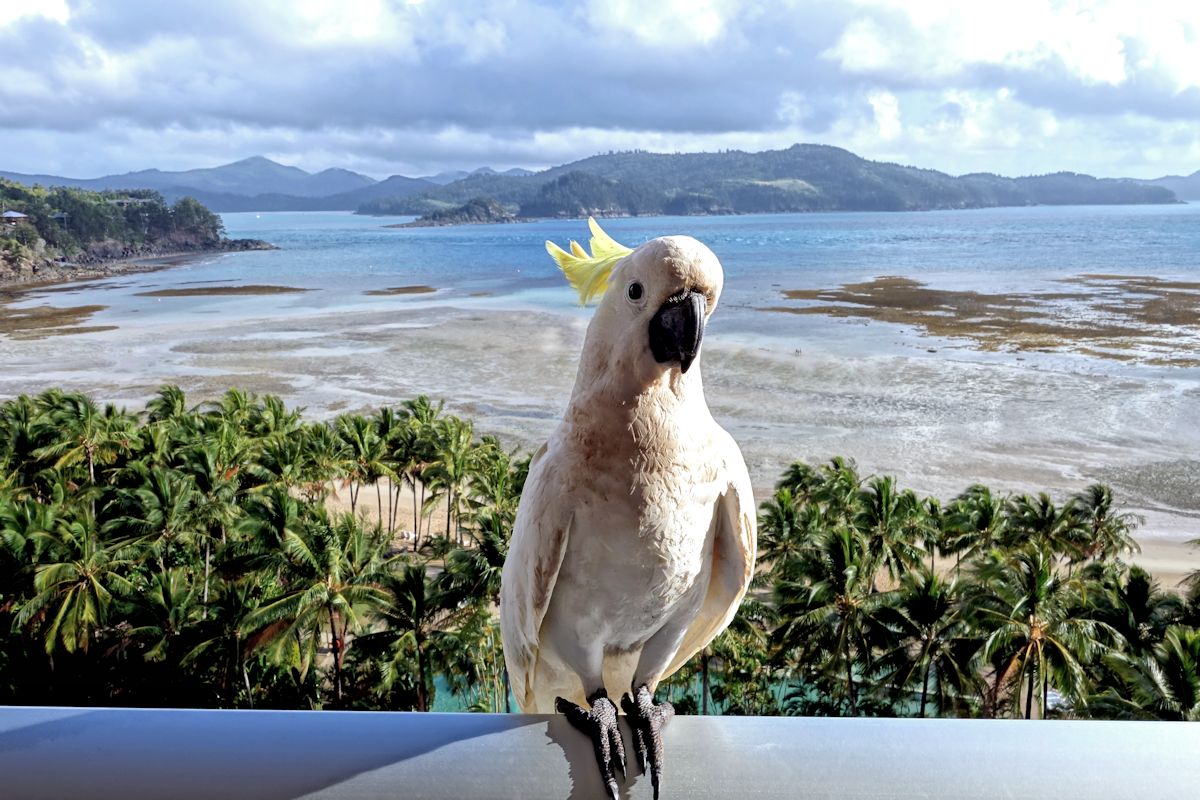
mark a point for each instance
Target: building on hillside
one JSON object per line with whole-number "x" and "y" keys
{"x": 125, "y": 202}
{"x": 13, "y": 217}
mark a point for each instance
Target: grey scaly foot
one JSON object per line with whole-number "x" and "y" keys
{"x": 600, "y": 723}
{"x": 648, "y": 720}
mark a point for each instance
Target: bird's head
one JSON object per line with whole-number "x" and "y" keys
{"x": 654, "y": 301}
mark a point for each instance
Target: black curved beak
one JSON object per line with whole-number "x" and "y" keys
{"x": 677, "y": 329}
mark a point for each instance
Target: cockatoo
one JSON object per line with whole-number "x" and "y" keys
{"x": 635, "y": 538}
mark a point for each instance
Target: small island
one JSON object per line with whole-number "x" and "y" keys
{"x": 476, "y": 211}
{"x": 57, "y": 234}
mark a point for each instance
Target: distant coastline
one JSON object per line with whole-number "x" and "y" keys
{"x": 461, "y": 215}
{"x": 804, "y": 177}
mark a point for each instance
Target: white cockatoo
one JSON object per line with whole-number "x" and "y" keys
{"x": 635, "y": 538}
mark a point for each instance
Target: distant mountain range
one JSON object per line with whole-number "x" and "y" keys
{"x": 803, "y": 177}
{"x": 1185, "y": 187}
{"x": 260, "y": 184}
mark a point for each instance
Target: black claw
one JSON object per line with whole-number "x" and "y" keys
{"x": 648, "y": 720}
{"x": 600, "y": 723}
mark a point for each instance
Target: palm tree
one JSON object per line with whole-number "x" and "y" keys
{"x": 423, "y": 415}
{"x": 1129, "y": 600}
{"x": 747, "y": 681}
{"x": 416, "y": 616}
{"x": 1104, "y": 532}
{"x": 975, "y": 522}
{"x": 215, "y": 507}
{"x": 783, "y": 528}
{"x": 448, "y": 475}
{"x": 23, "y": 432}
{"x": 326, "y": 456}
{"x": 158, "y": 515}
{"x": 168, "y": 404}
{"x": 25, "y": 525}
{"x": 1035, "y": 625}
{"x": 169, "y": 602}
{"x": 220, "y": 644}
{"x": 891, "y": 522}
{"x": 472, "y": 574}
{"x": 497, "y": 478}
{"x": 75, "y": 586}
{"x": 829, "y": 611}
{"x": 331, "y": 573}
{"x": 803, "y": 481}
{"x": 933, "y": 647}
{"x": 390, "y": 426}
{"x": 406, "y": 456}
{"x": 235, "y": 407}
{"x": 1163, "y": 683}
{"x": 839, "y": 489}
{"x": 1038, "y": 521}
{"x": 88, "y": 435}
{"x": 366, "y": 457}
{"x": 284, "y": 458}
{"x": 272, "y": 417}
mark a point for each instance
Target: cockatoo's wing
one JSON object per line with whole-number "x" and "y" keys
{"x": 734, "y": 542}
{"x": 535, "y": 555}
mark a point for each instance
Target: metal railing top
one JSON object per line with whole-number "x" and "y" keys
{"x": 151, "y": 753}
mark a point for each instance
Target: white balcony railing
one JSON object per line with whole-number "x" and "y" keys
{"x": 72, "y": 753}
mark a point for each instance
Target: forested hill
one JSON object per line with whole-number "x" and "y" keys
{"x": 804, "y": 177}
{"x": 62, "y": 228}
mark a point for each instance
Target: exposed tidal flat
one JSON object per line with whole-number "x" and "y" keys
{"x": 1027, "y": 349}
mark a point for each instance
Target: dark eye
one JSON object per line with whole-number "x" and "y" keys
{"x": 635, "y": 291}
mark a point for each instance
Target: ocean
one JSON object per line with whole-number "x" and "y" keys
{"x": 1029, "y": 348}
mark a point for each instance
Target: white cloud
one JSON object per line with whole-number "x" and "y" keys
{"x": 13, "y": 10}
{"x": 1090, "y": 41}
{"x": 887, "y": 114}
{"x": 664, "y": 23}
{"x": 385, "y": 86}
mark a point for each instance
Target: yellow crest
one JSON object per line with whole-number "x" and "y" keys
{"x": 588, "y": 274}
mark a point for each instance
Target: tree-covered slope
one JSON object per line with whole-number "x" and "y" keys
{"x": 83, "y": 227}
{"x": 804, "y": 177}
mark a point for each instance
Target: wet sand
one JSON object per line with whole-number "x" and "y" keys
{"x": 400, "y": 290}
{"x": 1118, "y": 317}
{"x": 249, "y": 290}
{"x": 38, "y": 322}
{"x": 937, "y": 423}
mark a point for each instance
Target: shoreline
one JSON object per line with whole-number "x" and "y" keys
{"x": 600, "y": 214}
{"x": 53, "y": 273}
{"x": 57, "y": 277}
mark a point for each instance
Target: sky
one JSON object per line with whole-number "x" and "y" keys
{"x": 415, "y": 87}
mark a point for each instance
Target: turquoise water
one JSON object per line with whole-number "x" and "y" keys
{"x": 1008, "y": 246}
{"x": 338, "y": 256}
